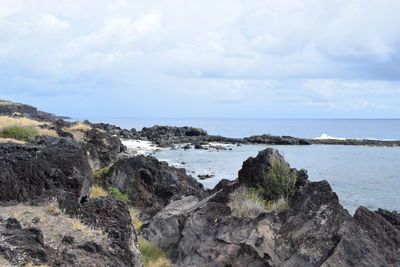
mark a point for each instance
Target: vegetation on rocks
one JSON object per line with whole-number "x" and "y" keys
{"x": 280, "y": 181}
{"x": 100, "y": 174}
{"x": 153, "y": 256}
{"x": 20, "y": 133}
{"x": 115, "y": 192}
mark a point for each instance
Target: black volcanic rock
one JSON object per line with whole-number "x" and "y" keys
{"x": 27, "y": 171}
{"x": 315, "y": 231}
{"x": 21, "y": 245}
{"x": 111, "y": 214}
{"x": 102, "y": 148}
{"x": 151, "y": 184}
{"x": 17, "y": 109}
{"x": 168, "y": 135}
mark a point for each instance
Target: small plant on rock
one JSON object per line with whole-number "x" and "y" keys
{"x": 280, "y": 181}
{"x": 21, "y": 133}
{"x": 115, "y": 192}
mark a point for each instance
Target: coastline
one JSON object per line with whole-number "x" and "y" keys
{"x": 115, "y": 199}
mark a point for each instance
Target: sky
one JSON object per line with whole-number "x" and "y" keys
{"x": 208, "y": 58}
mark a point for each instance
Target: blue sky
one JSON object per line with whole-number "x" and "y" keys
{"x": 179, "y": 58}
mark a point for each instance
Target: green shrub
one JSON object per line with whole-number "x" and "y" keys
{"x": 280, "y": 181}
{"x": 152, "y": 254}
{"x": 20, "y": 133}
{"x": 115, "y": 192}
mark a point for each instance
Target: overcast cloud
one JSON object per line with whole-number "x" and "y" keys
{"x": 179, "y": 58}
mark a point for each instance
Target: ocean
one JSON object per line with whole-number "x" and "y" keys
{"x": 367, "y": 176}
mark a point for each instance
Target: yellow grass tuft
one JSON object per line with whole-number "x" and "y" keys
{"x": 80, "y": 127}
{"x": 11, "y": 121}
{"x": 53, "y": 207}
{"x": 98, "y": 191}
{"x": 10, "y": 140}
{"x": 137, "y": 224}
{"x": 8, "y": 103}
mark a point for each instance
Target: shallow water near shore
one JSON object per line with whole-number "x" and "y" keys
{"x": 360, "y": 175}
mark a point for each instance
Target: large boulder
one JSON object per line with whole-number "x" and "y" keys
{"x": 102, "y": 148}
{"x": 151, "y": 184}
{"x": 27, "y": 171}
{"x": 112, "y": 215}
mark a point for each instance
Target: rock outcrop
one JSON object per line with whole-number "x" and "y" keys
{"x": 314, "y": 231}
{"x": 8, "y": 108}
{"x": 151, "y": 184}
{"x": 112, "y": 216}
{"x": 27, "y": 171}
{"x": 102, "y": 148}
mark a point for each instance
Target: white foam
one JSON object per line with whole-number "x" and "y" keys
{"x": 326, "y": 136}
{"x": 140, "y": 147}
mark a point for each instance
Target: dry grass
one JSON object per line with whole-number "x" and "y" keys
{"x": 8, "y": 103}
{"x": 54, "y": 227}
{"x": 136, "y": 222}
{"x": 6, "y": 121}
{"x": 53, "y": 208}
{"x": 79, "y": 127}
{"x": 10, "y": 121}
{"x": 245, "y": 202}
{"x": 280, "y": 205}
{"x": 31, "y": 265}
{"x": 78, "y": 130}
{"x": 10, "y": 140}
{"x": 98, "y": 191}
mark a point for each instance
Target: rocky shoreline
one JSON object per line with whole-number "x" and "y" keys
{"x": 51, "y": 215}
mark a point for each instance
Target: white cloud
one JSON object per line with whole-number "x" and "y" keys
{"x": 308, "y": 52}
{"x": 53, "y": 23}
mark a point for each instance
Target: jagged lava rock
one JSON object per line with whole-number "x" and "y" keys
{"x": 27, "y": 171}
{"x": 315, "y": 231}
{"x": 102, "y": 148}
{"x": 151, "y": 184}
{"x": 111, "y": 214}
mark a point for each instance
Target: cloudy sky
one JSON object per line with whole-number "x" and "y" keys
{"x": 219, "y": 58}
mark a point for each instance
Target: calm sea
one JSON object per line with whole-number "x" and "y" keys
{"x": 368, "y": 176}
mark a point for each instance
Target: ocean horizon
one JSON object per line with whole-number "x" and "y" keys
{"x": 383, "y": 129}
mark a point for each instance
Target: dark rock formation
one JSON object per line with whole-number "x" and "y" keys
{"x": 17, "y": 109}
{"x": 315, "y": 231}
{"x": 21, "y": 245}
{"x": 102, "y": 148}
{"x": 115, "y": 130}
{"x": 168, "y": 135}
{"x": 151, "y": 184}
{"x": 112, "y": 215}
{"x": 27, "y": 171}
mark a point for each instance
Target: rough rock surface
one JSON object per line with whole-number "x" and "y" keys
{"x": 102, "y": 148}
{"x": 21, "y": 245}
{"x": 151, "y": 184}
{"x": 13, "y": 109}
{"x": 111, "y": 214}
{"x": 315, "y": 231}
{"x": 27, "y": 171}
{"x": 167, "y": 135}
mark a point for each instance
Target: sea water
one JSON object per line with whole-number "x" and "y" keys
{"x": 360, "y": 175}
